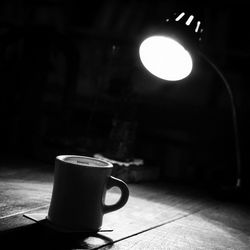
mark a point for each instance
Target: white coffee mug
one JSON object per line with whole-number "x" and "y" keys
{"x": 79, "y": 189}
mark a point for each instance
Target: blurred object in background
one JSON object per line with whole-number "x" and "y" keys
{"x": 61, "y": 87}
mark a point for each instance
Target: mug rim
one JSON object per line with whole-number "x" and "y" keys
{"x": 63, "y": 158}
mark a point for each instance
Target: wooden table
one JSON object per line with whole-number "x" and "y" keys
{"x": 157, "y": 216}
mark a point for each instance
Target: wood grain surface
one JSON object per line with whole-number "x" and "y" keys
{"x": 157, "y": 216}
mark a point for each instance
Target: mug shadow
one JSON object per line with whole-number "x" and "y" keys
{"x": 36, "y": 236}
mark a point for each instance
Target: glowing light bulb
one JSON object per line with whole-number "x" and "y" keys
{"x": 165, "y": 58}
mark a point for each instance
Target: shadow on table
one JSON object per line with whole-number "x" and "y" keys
{"x": 38, "y": 237}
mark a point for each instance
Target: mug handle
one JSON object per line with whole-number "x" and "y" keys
{"x": 114, "y": 182}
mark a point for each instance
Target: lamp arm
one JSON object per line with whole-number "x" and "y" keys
{"x": 234, "y": 118}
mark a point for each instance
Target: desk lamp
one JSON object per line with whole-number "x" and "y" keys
{"x": 167, "y": 54}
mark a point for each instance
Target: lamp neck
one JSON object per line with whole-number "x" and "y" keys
{"x": 234, "y": 118}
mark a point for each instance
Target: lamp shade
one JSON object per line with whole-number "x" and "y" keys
{"x": 165, "y": 52}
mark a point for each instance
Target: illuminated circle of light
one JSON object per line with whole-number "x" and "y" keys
{"x": 165, "y": 58}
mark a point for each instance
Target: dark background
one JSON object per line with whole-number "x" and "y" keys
{"x": 71, "y": 82}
